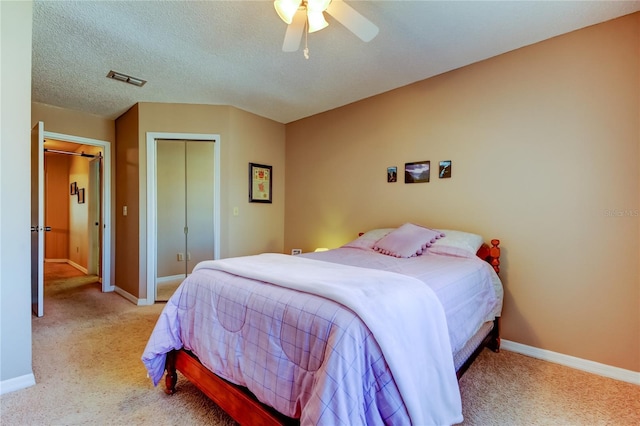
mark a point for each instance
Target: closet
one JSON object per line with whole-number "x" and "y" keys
{"x": 185, "y": 206}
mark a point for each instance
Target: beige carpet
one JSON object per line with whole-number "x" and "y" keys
{"x": 165, "y": 289}
{"x": 86, "y": 359}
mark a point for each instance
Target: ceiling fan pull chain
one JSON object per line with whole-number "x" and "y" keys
{"x": 306, "y": 35}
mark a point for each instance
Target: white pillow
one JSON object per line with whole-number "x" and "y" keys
{"x": 368, "y": 239}
{"x": 457, "y": 243}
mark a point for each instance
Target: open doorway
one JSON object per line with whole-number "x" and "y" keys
{"x": 70, "y": 203}
{"x": 77, "y": 236}
{"x": 73, "y": 237}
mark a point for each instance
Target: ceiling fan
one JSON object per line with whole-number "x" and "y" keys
{"x": 309, "y": 15}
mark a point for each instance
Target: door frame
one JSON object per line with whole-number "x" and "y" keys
{"x": 152, "y": 200}
{"x": 107, "y": 285}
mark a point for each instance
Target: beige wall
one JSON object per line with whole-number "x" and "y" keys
{"x": 244, "y": 138}
{"x": 259, "y": 227}
{"x": 56, "y": 206}
{"x": 74, "y": 123}
{"x": 126, "y": 245}
{"x": 545, "y": 148}
{"x": 16, "y": 370}
{"x": 79, "y": 223}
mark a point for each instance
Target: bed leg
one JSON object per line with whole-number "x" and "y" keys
{"x": 494, "y": 343}
{"x": 171, "y": 378}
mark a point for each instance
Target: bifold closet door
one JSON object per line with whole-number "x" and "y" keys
{"x": 185, "y": 173}
{"x": 171, "y": 215}
{"x": 199, "y": 202}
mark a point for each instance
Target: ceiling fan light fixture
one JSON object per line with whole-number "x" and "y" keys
{"x": 286, "y": 9}
{"x": 316, "y": 20}
{"x": 317, "y": 5}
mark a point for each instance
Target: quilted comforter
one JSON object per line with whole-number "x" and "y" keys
{"x": 371, "y": 348}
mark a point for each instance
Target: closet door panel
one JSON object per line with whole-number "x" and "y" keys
{"x": 171, "y": 214}
{"x": 199, "y": 172}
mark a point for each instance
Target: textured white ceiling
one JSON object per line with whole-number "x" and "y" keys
{"x": 229, "y": 52}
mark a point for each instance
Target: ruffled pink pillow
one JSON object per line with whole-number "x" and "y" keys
{"x": 409, "y": 240}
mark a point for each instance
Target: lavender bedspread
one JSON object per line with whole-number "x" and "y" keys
{"x": 304, "y": 354}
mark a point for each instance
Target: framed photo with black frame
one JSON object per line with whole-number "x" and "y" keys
{"x": 392, "y": 174}
{"x": 260, "y": 183}
{"x": 445, "y": 169}
{"x": 80, "y": 195}
{"x": 417, "y": 172}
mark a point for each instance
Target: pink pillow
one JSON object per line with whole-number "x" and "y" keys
{"x": 407, "y": 241}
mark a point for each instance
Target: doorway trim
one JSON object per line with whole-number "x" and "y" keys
{"x": 107, "y": 284}
{"x": 152, "y": 200}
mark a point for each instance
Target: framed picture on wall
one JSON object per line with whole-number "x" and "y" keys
{"x": 260, "y": 183}
{"x": 74, "y": 188}
{"x": 392, "y": 174}
{"x": 80, "y": 195}
{"x": 445, "y": 169}
{"x": 417, "y": 172}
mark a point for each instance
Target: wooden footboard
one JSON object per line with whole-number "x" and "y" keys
{"x": 243, "y": 406}
{"x": 235, "y": 400}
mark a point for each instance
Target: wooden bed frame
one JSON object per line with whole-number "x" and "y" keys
{"x": 239, "y": 403}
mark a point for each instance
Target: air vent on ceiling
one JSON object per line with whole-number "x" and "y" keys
{"x": 126, "y": 78}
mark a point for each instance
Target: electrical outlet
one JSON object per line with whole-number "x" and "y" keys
{"x": 180, "y": 257}
{"x": 296, "y": 251}
{"x": 236, "y": 211}
{"x": 188, "y": 256}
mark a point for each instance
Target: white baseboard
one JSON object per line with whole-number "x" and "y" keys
{"x": 17, "y": 383}
{"x": 160, "y": 280}
{"x": 131, "y": 298}
{"x": 573, "y": 362}
{"x": 78, "y": 267}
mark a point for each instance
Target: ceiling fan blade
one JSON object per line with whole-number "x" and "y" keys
{"x": 293, "y": 36}
{"x": 353, "y": 20}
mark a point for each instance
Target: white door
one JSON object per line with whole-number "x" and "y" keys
{"x": 37, "y": 219}
{"x": 94, "y": 224}
{"x": 153, "y": 207}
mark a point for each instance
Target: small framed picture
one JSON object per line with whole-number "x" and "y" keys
{"x": 392, "y": 174}
{"x": 74, "y": 188}
{"x": 80, "y": 195}
{"x": 445, "y": 169}
{"x": 417, "y": 172}
{"x": 260, "y": 183}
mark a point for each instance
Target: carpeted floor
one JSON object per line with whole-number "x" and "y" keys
{"x": 86, "y": 359}
{"x": 166, "y": 289}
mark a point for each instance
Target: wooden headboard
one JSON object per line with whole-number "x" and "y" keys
{"x": 491, "y": 254}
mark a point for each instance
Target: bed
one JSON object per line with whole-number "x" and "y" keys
{"x": 375, "y": 332}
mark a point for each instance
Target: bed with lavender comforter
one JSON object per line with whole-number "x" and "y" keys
{"x": 328, "y": 342}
